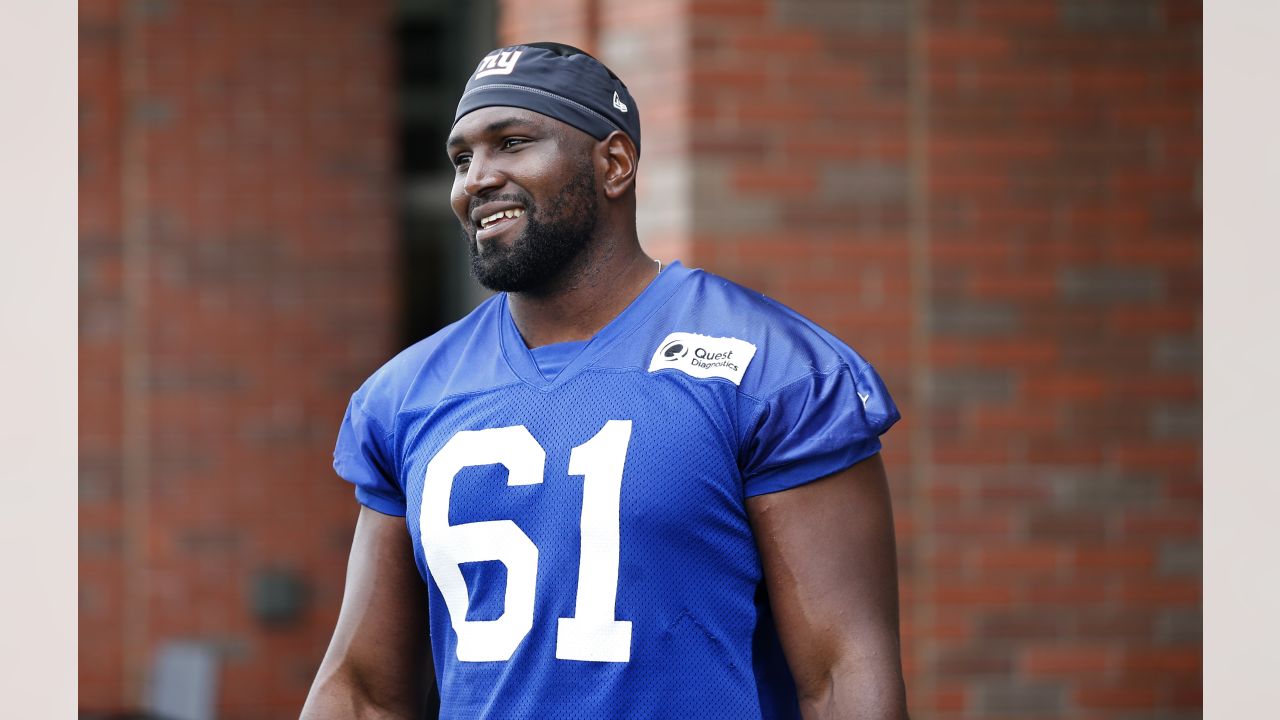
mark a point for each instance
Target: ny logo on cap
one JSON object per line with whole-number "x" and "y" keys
{"x": 501, "y": 62}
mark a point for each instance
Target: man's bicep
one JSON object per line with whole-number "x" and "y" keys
{"x": 380, "y": 644}
{"x": 830, "y": 564}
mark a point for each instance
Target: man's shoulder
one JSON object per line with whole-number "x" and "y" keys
{"x": 717, "y": 298}
{"x": 423, "y": 371}
{"x": 786, "y": 345}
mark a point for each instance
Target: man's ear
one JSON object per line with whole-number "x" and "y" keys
{"x": 618, "y": 155}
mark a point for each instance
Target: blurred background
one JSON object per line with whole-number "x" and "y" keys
{"x": 995, "y": 201}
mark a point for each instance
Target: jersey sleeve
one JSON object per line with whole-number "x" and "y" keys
{"x": 363, "y": 457}
{"x": 815, "y": 426}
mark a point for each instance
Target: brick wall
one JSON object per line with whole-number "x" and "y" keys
{"x": 998, "y": 203}
{"x": 236, "y": 286}
{"x": 995, "y": 201}
{"x": 100, "y": 366}
{"x": 1064, "y": 243}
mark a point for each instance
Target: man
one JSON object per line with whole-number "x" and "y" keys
{"x": 624, "y": 490}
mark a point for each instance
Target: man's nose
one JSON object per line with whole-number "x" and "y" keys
{"x": 482, "y": 176}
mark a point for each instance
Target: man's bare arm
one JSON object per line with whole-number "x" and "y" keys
{"x": 831, "y": 569}
{"x": 377, "y": 659}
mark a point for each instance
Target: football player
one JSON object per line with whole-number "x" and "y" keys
{"x": 617, "y": 488}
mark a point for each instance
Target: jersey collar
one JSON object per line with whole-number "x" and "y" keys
{"x": 521, "y": 360}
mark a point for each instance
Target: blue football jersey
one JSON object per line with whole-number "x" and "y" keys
{"x": 578, "y": 511}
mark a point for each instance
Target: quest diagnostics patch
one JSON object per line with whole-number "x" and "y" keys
{"x": 703, "y": 356}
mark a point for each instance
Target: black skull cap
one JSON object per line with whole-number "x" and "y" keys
{"x": 556, "y": 80}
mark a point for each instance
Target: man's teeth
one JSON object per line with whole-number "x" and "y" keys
{"x": 490, "y": 219}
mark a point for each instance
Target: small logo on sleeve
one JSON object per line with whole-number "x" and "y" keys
{"x": 501, "y": 62}
{"x": 704, "y": 357}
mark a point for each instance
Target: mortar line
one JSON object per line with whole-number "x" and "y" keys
{"x": 921, "y": 450}
{"x": 135, "y": 366}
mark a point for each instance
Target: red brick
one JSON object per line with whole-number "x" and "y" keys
{"x": 1024, "y": 561}
{"x": 829, "y": 82}
{"x": 735, "y": 78}
{"x": 1163, "y": 661}
{"x": 987, "y": 420}
{"x": 1161, "y": 593}
{"x": 1112, "y": 558}
{"x": 970, "y": 453}
{"x": 728, "y": 9}
{"x": 1117, "y": 696}
{"x": 973, "y": 595}
{"x": 1160, "y": 524}
{"x": 1164, "y": 387}
{"x": 765, "y": 113}
{"x": 766, "y": 180}
{"x": 1020, "y": 491}
{"x": 1114, "y": 625}
{"x": 1078, "y": 386}
{"x": 1188, "y": 693}
{"x": 967, "y": 661}
{"x": 984, "y": 182}
{"x": 1001, "y": 284}
{"x": 775, "y": 43}
{"x": 971, "y": 526}
{"x": 950, "y": 697}
{"x": 1015, "y": 13}
{"x": 1069, "y": 660}
{"x": 1110, "y": 81}
{"x": 1183, "y": 13}
{"x": 950, "y": 43}
{"x": 818, "y": 148}
{"x": 1064, "y": 525}
{"x": 1017, "y": 351}
{"x": 1148, "y": 114}
{"x": 1067, "y": 593}
{"x": 1158, "y": 456}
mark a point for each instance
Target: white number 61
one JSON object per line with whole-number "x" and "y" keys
{"x": 594, "y": 632}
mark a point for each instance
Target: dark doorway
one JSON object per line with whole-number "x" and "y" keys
{"x": 438, "y": 44}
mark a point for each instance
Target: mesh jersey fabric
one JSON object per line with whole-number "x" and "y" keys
{"x": 558, "y": 589}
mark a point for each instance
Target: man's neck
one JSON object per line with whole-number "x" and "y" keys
{"x": 587, "y": 300}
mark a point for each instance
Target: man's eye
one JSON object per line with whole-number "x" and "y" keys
{"x": 509, "y": 143}
{"x": 461, "y": 160}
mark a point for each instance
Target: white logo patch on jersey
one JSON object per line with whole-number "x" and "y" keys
{"x": 703, "y": 356}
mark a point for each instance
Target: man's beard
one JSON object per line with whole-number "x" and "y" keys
{"x": 540, "y": 255}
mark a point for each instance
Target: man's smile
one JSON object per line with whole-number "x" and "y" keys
{"x": 488, "y": 220}
{"x": 495, "y": 223}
